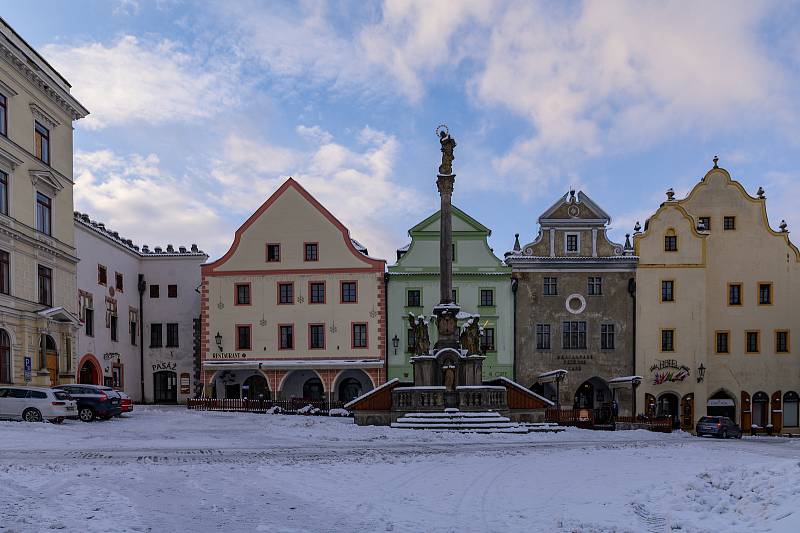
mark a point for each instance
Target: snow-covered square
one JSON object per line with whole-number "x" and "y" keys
{"x": 170, "y": 469}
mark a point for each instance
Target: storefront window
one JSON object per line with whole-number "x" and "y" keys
{"x": 791, "y": 414}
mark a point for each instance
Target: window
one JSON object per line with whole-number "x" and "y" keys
{"x": 317, "y": 291}
{"x": 550, "y": 286}
{"x": 316, "y": 336}
{"x": 89, "y": 322}
{"x": 273, "y": 253}
{"x": 670, "y": 243}
{"x": 3, "y": 193}
{"x": 542, "y": 336}
{"x": 172, "y": 335}
{"x": 729, "y": 223}
{"x": 765, "y": 294}
{"x": 791, "y": 414}
{"x": 243, "y": 337}
{"x": 595, "y": 286}
{"x": 102, "y": 275}
{"x": 782, "y": 341}
{"x": 705, "y": 222}
{"x": 5, "y": 272}
{"x": 487, "y": 340}
{"x": 5, "y": 357}
{"x": 286, "y": 293}
{"x": 153, "y": 291}
{"x": 359, "y": 335}
{"x": 43, "y": 214}
{"x": 118, "y": 281}
{"x": 734, "y": 294}
{"x": 172, "y": 291}
{"x": 3, "y": 115}
{"x": 155, "y": 336}
{"x": 487, "y": 297}
{"x": 133, "y": 330}
{"x": 113, "y": 326}
{"x": 453, "y": 250}
{"x": 574, "y": 336}
{"x": 286, "y": 337}
{"x": 410, "y": 340}
{"x": 667, "y": 290}
{"x": 607, "y": 336}
{"x": 667, "y": 340}
{"x": 42, "y": 142}
{"x": 572, "y": 242}
{"x": 414, "y": 298}
{"x": 311, "y": 251}
{"x": 752, "y": 342}
{"x": 454, "y": 295}
{"x": 242, "y": 293}
{"x": 723, "y": 340}
{"x": 116, "y": 376}
{"x": 349, "y": 292}
{"x": 45, "y": 286}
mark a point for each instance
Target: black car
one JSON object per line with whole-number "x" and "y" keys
{"x": 718, "y": 426}
{"x": 93, "y": 401}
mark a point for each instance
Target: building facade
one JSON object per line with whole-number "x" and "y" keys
{"x": 38, "y": 311}
{"x": 138, "y": 310}
{"x": 717, "y": 304}
{"x": 295, "y": 309}
{"x": 481, "y": 285}
{"x": 575, "y": 310}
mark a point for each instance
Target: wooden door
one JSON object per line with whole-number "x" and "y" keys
{"x": 687, "y": 412}
{"x": 51, "y": 362}
{"x": 777, "y": 412}
{"x": 746, "y": 414}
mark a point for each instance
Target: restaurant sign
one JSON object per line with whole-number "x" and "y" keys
{"x": 668, "y": 370}
{"x": 229, "y": 355}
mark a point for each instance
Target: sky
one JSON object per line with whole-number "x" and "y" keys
{"x": 200, "y": 110}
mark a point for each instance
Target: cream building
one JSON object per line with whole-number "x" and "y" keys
{"x": 295, "y": 308}
{"x": 717, "y": 305}
{"x": 38, "y": 261}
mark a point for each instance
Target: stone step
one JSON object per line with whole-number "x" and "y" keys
{"x": 455, "y": 420}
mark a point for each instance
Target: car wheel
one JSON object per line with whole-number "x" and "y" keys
{"x": 86, "y": 414}
{"x": 724, "y": 433}
{"x": 32, "y": 415}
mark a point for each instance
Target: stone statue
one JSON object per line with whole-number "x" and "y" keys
{"x": 450, "y": 377}
{"x": 448, "y": 145}
{"x": 470, "y": 337}
{"x": 422, "y": 342}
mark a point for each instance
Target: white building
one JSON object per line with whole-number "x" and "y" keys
{"x": 120, "y": 288}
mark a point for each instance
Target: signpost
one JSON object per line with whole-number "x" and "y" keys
{"x": 27, "y": 369}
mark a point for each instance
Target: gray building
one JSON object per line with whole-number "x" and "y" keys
{"x": 575, "y": 305}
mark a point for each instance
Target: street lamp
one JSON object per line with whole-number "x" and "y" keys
{"x": 395, "y": 343}
{"x": 218, "y": 338}
{"x": 701, "y": 373}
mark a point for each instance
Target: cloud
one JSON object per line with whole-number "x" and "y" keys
{"x": 314, "y": 134}
{"x": 135, "y": 81}
{"x": 134, "y": 196}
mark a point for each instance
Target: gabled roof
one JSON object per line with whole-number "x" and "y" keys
{"x": 59, "y": 314}
{"x": 580, "y": 198}
{"x": 477, "y": 226}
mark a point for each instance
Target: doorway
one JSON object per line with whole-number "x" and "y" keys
{"x": 721, "y": 404}
{"x": 165, "y": 387}
{"x": 88, "y": 373}
{"x": 687, "y": 412}
{"x": 313, "y": 390}
{"x": 50, "y": 355}
{"x": 667, "y": 406}
{"x": 255, "y": 388}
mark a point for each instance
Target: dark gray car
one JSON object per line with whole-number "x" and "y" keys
{"x": 718, "y": 426}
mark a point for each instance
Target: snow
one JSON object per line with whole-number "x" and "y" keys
{"x": 169, "y": 469}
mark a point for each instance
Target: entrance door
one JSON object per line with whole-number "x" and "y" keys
{"x": 50, "y": 358}
{"x": 313, "y": 390}
{"x": 687, "y": 412}
{"x": 721, "y": 404}
{"x": 232, "y": 391}
{"x": 87, "y": 374}
{"x": 165, "y": 387}
{"x": 350, "y": 389}
{"x": 584, "y": 397}
{"x": 668, "y": 406}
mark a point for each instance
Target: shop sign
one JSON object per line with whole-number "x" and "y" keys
{"x": 668, "y": 370}
{"x": 721, "y": 402}
{"x": 27, "y": 369}
{"x": 107, "y": 356}
{"x": 165, "y": 365}
{"x": 229, "y": 355}
{"x": 185, "y": 382}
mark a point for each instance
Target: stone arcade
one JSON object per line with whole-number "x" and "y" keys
{"x": 448, "y": 389}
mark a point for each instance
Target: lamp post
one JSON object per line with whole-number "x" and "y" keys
{"x": 218, "y": 338}
{"x": 701, "y": 373}
{"x": 395, "y": 343}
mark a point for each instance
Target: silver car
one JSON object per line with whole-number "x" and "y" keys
{"x": 34, "y": 404}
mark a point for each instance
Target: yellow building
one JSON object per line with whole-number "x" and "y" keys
{"x": 717, "y": 304}
{"x": 295, "y": 309}
{"x": 38, "y": 304}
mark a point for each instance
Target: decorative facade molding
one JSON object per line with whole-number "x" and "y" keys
{"x": 44, "y": 116}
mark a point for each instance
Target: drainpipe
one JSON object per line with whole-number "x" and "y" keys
{"x": 386, "y": 326}
{"x": 514, "y": 284}
{"x": 141, "y": 287}
{"x": 632, "y": 292}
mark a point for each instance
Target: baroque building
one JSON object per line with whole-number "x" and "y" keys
{"x": 38, "y": 311}
{"x": 717, "y": 305}
{"x": 575, "y": 310}
{"x": 481, "y": 285}
{"x": 295, "y": 309}
{"x": 139, "y": 309}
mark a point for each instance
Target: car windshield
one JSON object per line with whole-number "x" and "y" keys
{"x": 60, "y": 395}
{"x": 713, "y": 419}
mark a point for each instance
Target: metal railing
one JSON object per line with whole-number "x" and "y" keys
{"x": 244, "y": 405}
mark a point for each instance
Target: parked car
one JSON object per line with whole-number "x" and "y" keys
{"x": 125, "y": 402}
{"x": 93, "y": 401}
{"x": 34, "y": 404}
{"x": 718, "y": 426}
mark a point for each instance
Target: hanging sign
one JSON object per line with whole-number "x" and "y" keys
{"x": 165, "y": 365}
{"x": 668, "y": 370}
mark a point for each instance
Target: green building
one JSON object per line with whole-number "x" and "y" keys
{"x": 481, "y": 285}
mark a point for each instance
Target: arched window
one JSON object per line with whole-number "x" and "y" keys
{"x": 791, "y": 414}
{"x": 5, "y": 357}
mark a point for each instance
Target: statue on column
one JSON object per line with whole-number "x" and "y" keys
{"x": 448, "y": 146}
{"x": 470, "y": 338}
{"x": 422, "y": 341}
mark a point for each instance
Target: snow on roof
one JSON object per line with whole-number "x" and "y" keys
{"x": 625, "y": 379}
{"x": 553, "y": 373}
{"x": 370, "y": 393}
{"x": 516, "y": 385}
{"x": 292, "y": 363}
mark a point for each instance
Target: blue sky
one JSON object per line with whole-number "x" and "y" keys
{"x": 200, "y": 110}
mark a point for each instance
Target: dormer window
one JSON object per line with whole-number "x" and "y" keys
{"x": 42, "y": 143}
{"x": 670, "y": 241}
{"x": 571, "y": 243}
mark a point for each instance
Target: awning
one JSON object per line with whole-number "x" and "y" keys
{"x": 553, "y": 375}
{"x": 291, "y": 364}
{"x": 624, "y": 381}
